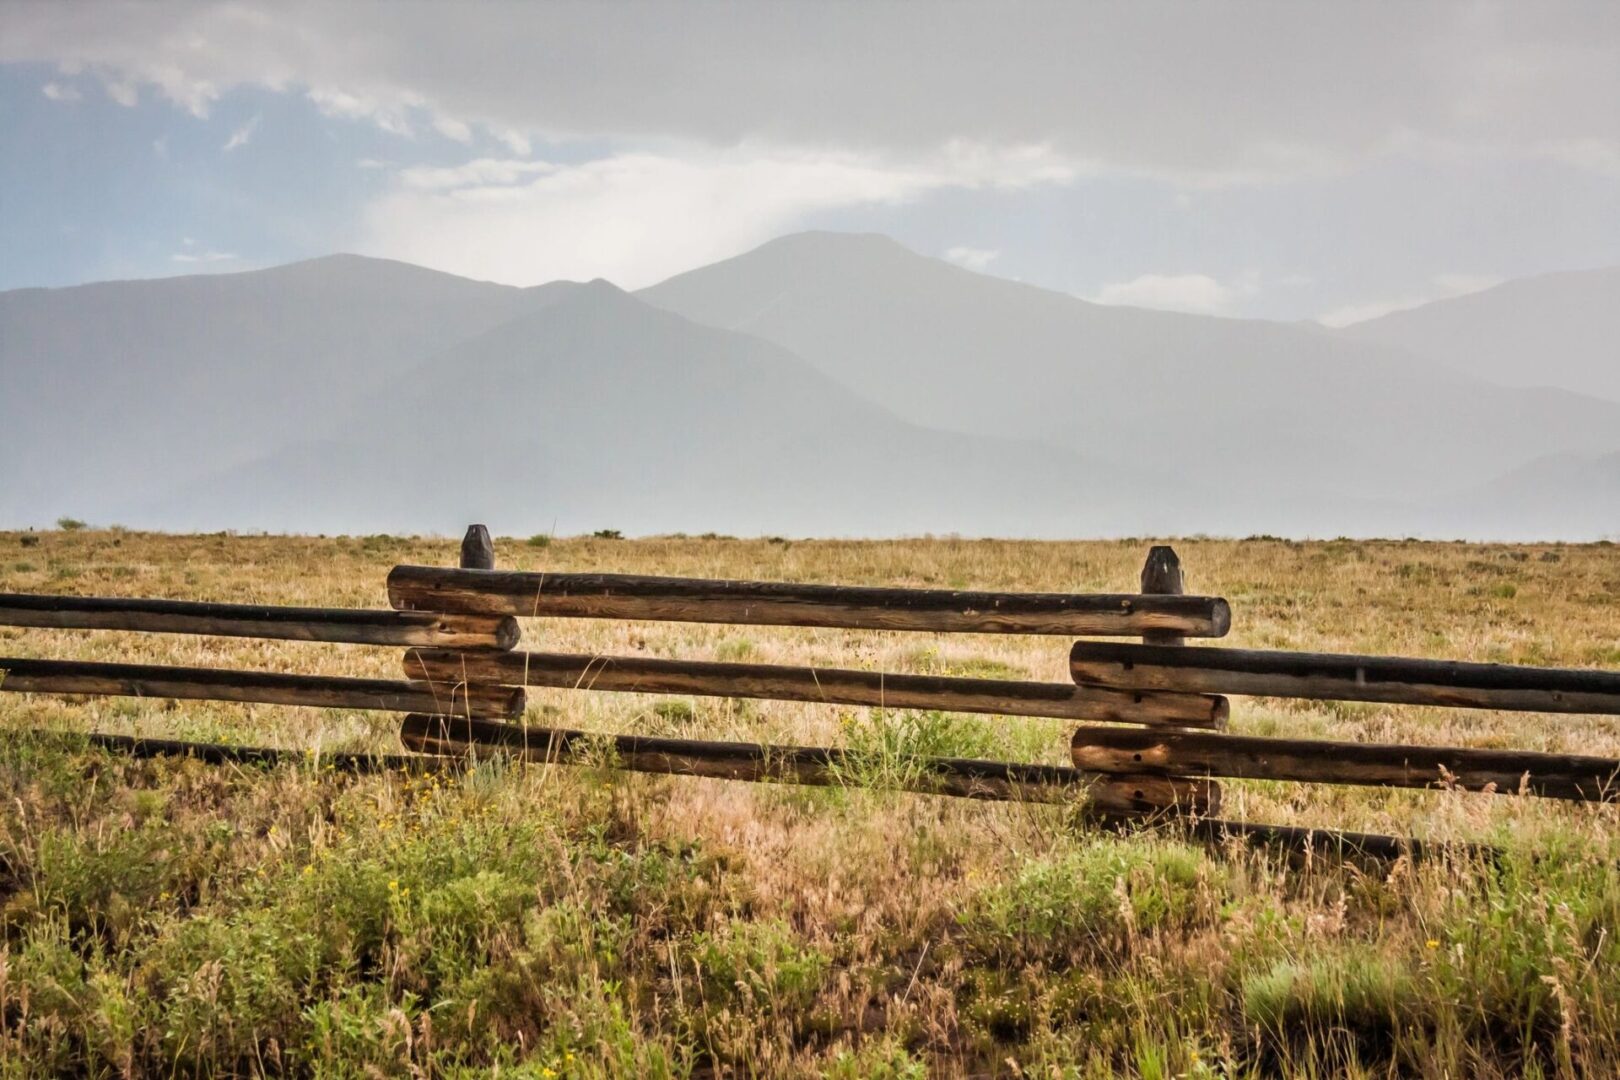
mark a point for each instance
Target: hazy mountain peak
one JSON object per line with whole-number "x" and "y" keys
{"x": 346, "y": 266}
{"x": 1265, "y": 415}
{"x": 117, "y": 387}
{"x": 647, "y": 408}
{"x": 831, "y": 240}
{"x": 1556, "y": 329}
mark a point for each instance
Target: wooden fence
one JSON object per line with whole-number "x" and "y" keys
{"x": 465, "y": 678}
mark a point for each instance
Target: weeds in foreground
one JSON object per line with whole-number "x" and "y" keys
{"x": 176, "y": 919}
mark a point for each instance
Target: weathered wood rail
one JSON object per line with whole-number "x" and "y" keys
{"x": 343, "y": 625}
{"x": 831, "y": 686}
{"x": 22, "y": 676}
{"x": 1337, "y": 677}
{"x": 821, "y": 766}
{"x": 771, "y": 603}
{"x": 1506, "y": 772}
{"x": 1336, "y": 842}
{"x": 465, "y": 677}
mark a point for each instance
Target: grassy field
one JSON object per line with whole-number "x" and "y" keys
{"x": 169, "y": 918}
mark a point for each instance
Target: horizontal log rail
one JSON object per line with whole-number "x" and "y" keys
{"x": 1187, "y": 753}
{"x": 271, "y": 688}
{"x": 813, "y": 765}
{"x": 344, "y": 625}
{"x": 1338, "y": 677}
{"x": 831, "y": 686}
{"x": 628, "y": 596}
{"x": 1207, "y": 830}
{"x": 142, "y": 747}
{"x": 1338, "y": 843}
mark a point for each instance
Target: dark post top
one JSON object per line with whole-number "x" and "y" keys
{"x": 477, "y": 549}
{"x": 1161, "y": 576}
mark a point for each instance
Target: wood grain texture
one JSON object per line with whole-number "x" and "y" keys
{"x": 273, "y": 688}
{"x": 1337, "y": 677}
{"x": 1161, "y": 576}
{"x": 816, "y": 765}
{"x": 645, "y": 675}
{"x": 345, "y": 625}
{"x": 1188, "y": 753}
{"x": 629, "y": 596}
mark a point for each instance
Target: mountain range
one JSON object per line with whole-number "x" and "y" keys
{"x": 822, "y": 384}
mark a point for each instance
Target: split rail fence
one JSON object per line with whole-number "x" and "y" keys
{"x": 1152, "y": 748}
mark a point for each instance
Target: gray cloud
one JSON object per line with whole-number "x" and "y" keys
{"x": 1203, "y": 92}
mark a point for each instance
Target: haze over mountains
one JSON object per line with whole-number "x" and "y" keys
{"x": 1551, "y": 330}
{"x": 823, "y": 384}
{"x": 1238, "y": 407}
{"x": 592, "y": 407}
{"x": 116, "y": 393}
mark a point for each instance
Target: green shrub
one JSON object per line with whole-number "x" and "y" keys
{"x": 1357, "y": 989}
{"x": 733, "y": 650}
{"x": 881, "y": 1059}
{"x": 1530, "y": 945}
{"x": 359, "y": 1032}
{"x": 757, "y": 967}
{"x": 1088, "y": 901}
{"x": 887, "y": 749}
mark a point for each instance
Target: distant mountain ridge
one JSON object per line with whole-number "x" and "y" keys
{"x": 594, "y": 408}
{"x": 1260, "y": 415}
{"x": 1580, "y": 492}
{"x": 1558, "y": 329}
{"x": 823, "y": 384}
{"x": 113, "y": 387}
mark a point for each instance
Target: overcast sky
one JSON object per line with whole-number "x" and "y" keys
{"x": 1282, "y": 160}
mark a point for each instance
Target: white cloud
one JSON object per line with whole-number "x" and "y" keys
{"x": 451, "y": 128}
{"x": 971, "y": 257}
{"x": 122, "y": 84}
{"x": 393, "y": 117}
{"x": 1197, "y": 293}
{"x": 1348, "y": 314}
{"x": 124, "y": 93}
{"x": 241, "y": 135}
{"x": 1459, "y": 284}
{"x": 636, "y": 218}
{"x": 203, "y": 256}
{"x": 1440, "y": 287}
{"x": 1105, "y": 84}
{"x": 61, "y": 91}
{"x": 515, "y": 141}
{"x": 179, "y": 87}
{"x": 483, "y": 171}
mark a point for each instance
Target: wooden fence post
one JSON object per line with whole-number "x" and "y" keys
{"x": 1161, "y": 576}
{"x": 477, "y": 549}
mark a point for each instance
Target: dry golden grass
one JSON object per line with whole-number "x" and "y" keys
{"x": 601, "y": 923}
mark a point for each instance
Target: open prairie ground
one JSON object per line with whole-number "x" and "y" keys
{"x": 171, "y": 918}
